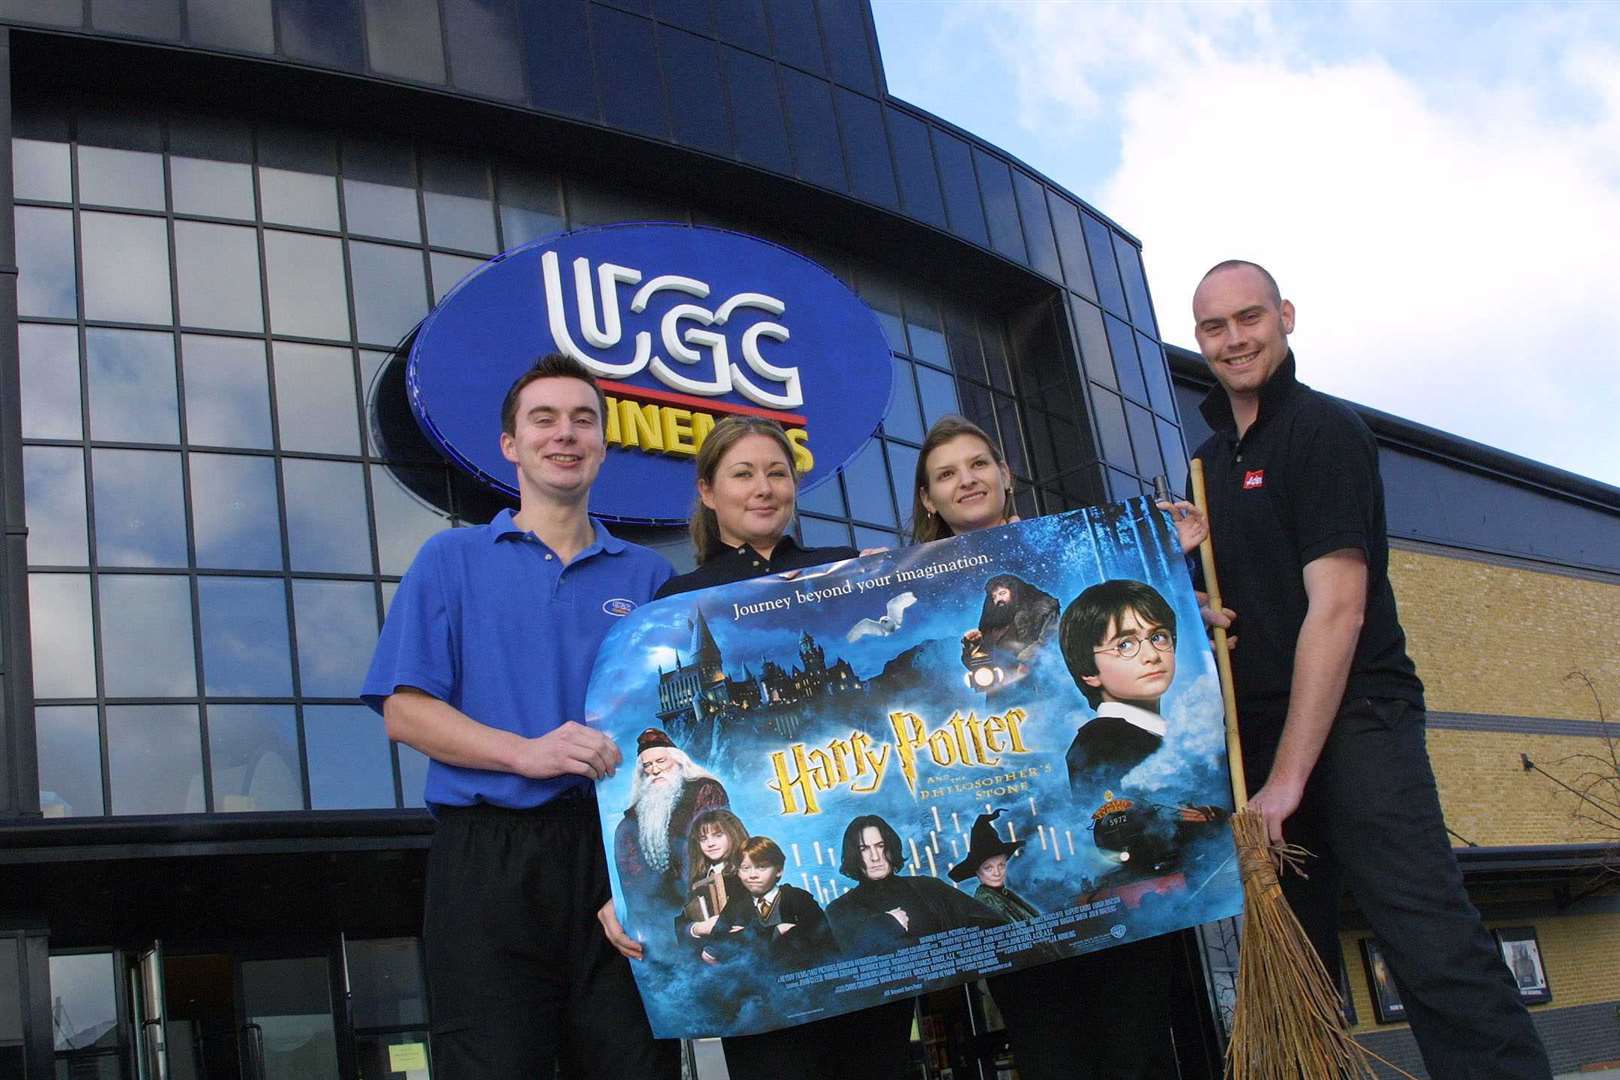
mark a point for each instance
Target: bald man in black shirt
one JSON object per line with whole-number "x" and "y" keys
{"x": 1330, "y": 706}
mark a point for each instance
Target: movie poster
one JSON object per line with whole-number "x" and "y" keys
{"x": 913, "y": 769}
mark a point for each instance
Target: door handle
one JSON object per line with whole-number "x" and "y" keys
{"x": 255, "y": 1051}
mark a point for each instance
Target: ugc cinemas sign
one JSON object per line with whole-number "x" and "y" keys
{"x": 682, "y": 326}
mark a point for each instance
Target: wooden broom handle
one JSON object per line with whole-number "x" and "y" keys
{"x": 1223, "y": 656}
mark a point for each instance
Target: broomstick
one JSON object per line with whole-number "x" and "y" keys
{"x": 1287, "y": 1023}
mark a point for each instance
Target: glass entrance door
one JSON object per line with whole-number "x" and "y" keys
{"x": 287, "y": 1011}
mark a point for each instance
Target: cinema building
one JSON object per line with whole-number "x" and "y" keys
{"x": 223, "y": 223}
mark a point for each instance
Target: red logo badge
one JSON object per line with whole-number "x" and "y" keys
{"x": 1254, "y": 478}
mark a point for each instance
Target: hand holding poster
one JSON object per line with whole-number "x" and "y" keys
{"x": 909, "y": 770}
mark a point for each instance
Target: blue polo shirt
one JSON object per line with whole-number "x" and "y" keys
{"x": 491, "y": 621}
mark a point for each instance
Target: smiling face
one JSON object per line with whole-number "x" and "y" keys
{"x": 874, "y": 854}
{"x": 1242, "y": 327}
{"x": 752, "y": 493}
{"x": 1142, "y": 678}
{"x": 965, "y": 485}
{"x": 556, "y": 441}
{"x": 993, "y": 871}
{"x": 758, "y": 878}
{"x": 714, "y": 843}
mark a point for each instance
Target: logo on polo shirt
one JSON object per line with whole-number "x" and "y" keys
{"x": 1254, "y": 478}
{"x": 618, "y": 606}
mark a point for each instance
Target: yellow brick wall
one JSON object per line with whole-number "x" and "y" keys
{"x": 1578, "y": 952}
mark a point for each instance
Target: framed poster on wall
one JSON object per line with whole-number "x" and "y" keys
{"x": 1387, "y": 1006}
{"x": 1522, "y": 954}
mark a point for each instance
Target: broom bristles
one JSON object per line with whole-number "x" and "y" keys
{"x": 1288, "y": 1023}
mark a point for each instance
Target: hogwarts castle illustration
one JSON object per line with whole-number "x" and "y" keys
{"x": 698, "y": 698}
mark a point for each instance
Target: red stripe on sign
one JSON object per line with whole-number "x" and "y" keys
{"x": 643, "y": 393}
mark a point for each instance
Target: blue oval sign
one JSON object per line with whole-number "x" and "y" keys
{"x": 683, "y": 325}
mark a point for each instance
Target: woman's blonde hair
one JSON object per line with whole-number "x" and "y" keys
{"x": 705, "y": 527}
{"x": 925, "y": 524}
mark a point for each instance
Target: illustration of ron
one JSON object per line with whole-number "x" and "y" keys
{"x": 986, "y": 859}
{"x": 769, "y": 919}
{"x": 668, "y": 791}
{"x": 886, "y": 911}
{"x": 1016, "y": 618}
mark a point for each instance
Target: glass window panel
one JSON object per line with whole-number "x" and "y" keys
{"x": 903, "y": 467}
{"x": 219, "y": 276}
{"x": 48, "y": 358}
{"x": 233, "y": 507}
{"x": 1012, "y": 441}
{"x": 962, "y": 342}
{"x": 1127, "y": 365}
{"x": 298, "y": 198}
{"x": 825, "y": 498}
{"x": 253, "y": 758}
{"x": 884, "y": 301}
{"x": 1093, "y": 340}
{"x": 306, "y": 285}
{"x": 54, "y": 13}
{"x": 349, "y": 763}
{"x": 390, "y": 294}
{"x": 413, "y": 768}
{"x": 872, "y": 538}
{"x": 691, "y": 67}
{"x": 386, "y": 986}
{"x": 904, "y": 419}
{"x": 1122, "y": 486}
{"x": 126, "y": 268}
{"x": 448, "y": 270}
{"x": 1175, "y": 456}
{"x": 867, "y": 481}
{"x": 938, "y": 394}
{"x": 848, "y": 52}
{"x": 132, "y": 178}
{"x": 232, "y": 24}
{"x": 560, "y": 74}
{"x": 960, "y": 187}
{"x": 140, "y": 511}
{"x": 1000, "y": 209}
{"x": 632, "y": 95}
{"x": 53, "y": 485}
{"x": 684, "y": 13}
{"x": 923, "y": 328}
{"x": 326, "y": 516}
{"x": 1071, "y": 243}
{"x": 132, "y": 396}
{"x": 593, "y": 204}
{"x": 819, "y": 533}
{"x": 1110, "y": 412}
{"x": 1130, "y": 271}
{"x": 1105, "y": 272}
{"x": 59, "y": 618}
{"x": 1144, "y": 439}
{"x": 315, "y": 398}
{"x": 1038, "y": 238}
{"x": 485, "y": 49}
{"x": 154, "y": 759}
{"x": 914, "y": 167}
{"x": 285, "y": 144}
{"x": 84, "y": 1002}
{"x": 798, "y": 38}
{"x": 45, "y": 282}
{"x": 69, "y": 761}
{"x": 1040, "y": 443}
{"x": 403, "y": 39}
{"x": 321, "y": 31}
{"x": 404, "y": 521}
{"x": 146, "y": 642}
{"x": 244, "y": 637}
{"x": 41, "y": 170}
{"x": 742, "y": 22}
{"x": 1157, "y": 374}
{"x": 459, "y": 221}
{"x": 156, "y": 18}
{"x": 814, "y": 129}
{"x": 519, "y": 225}
{"x": 212, "y": 188}
{"x": 995, "y": 354}
{"x": 756, "y": 107}
{"x": 978, "y": 405}
{"x": 227, "y": 403}
{"x": 381, "y": 210}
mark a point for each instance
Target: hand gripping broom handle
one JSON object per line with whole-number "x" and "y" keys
{"x": 1223, "y": 658}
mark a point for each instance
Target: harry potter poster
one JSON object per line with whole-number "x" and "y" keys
{"x": 913, "y": 769}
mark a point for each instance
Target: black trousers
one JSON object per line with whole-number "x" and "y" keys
{"x": 873, "y": 1044}
{"x": 521, "y": 979}
{"x": 1102, "y": 1016}
{"x": 1371, "y": 817}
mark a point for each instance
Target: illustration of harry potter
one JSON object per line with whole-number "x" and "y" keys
{"x": 886, "y": 911}
{"x": 769, "y": 918}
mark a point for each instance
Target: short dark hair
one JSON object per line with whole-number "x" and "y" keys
{"x": 762, "y": 851}
{"x": 852, "y": 866}
{"x": 1241, "y": 264}
{"x": 1085, "y": 622}
{"x": 550, "y": 366}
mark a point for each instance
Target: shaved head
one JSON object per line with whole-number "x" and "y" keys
{"x": 1244, "y": 264}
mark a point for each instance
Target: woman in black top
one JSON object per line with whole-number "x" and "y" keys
{"x": 747, "y": 488}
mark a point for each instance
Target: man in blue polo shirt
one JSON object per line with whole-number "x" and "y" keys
{"x": 482, "y": 665}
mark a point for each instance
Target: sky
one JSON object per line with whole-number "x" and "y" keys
{"x": 1436, "y": 186}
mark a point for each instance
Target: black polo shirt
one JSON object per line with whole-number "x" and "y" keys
{"x": 1302, "y": 482}
{"x": 743, "y": 562}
